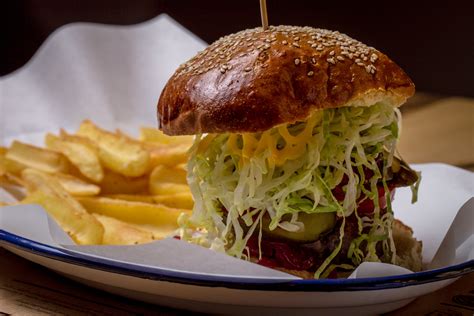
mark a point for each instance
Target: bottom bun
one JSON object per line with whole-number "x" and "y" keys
{"x": 408, "y": 248}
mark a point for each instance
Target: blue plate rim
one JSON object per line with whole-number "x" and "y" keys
{"x": 159, "y": 274}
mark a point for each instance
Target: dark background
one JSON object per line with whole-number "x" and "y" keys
{"x": 433, "y": 42}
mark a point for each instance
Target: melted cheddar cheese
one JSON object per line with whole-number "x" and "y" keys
{"x": 253, "y": 144}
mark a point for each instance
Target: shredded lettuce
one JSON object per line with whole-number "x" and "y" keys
{"x": 334, "y": 253}
{"x": 333, "y": 267}
{"x": 237, "y": 179}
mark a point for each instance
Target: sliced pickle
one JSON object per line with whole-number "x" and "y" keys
{"x": 314, "y": 225}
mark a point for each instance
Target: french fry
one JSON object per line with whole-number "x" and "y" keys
{"x": 103, "y": 187}
{"x": 76, "y": 186}
{"x": 13, "y": 187}
{"x": 165, "y": 181}
{"x": 11, "y": 166}
{"x": 14, "y": 191}
{"x": 177, "y": 200}
{"x": 162, "y": 174}
{"x": 153, "y": 135}
{"x": 79, "y": 152}
{"x": 132, "y": 197}
{"x": 83, "y": 228}
{"x": 10, "y": 193}
{"x": 118, "y": 232}
{"x": 8, "y": 165}
{"x": 168, "y": 156}
{"x": 122, "y": 134}
{"x": 168, "y": 188}
{"x": 132, "y": 212}
{"x": 114, "y": 183}
{"x": 37, "y": 158}
{"x": 116, "y": 152}
{"x": 13, "y": 179}
{"x": 182, "y": 166}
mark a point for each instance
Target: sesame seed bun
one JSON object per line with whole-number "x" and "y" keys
{"x": 255, "y": 79}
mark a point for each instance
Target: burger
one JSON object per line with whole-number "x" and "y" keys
{"x": 294, "y": 162}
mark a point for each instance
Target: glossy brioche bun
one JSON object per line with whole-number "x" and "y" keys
{"x": 253, "y": 80}
{"x": 408, "y": 248}
{"x": 408, "y": 252}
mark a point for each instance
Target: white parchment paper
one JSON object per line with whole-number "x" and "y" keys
{"x": 110, "y": 74}
{"x": 114, "y": 75}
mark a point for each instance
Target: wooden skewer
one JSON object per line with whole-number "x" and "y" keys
{"x": 263, "y": 13}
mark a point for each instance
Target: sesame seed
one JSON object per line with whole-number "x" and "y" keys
{"x": 310, "y": 73}
{"x": 297, "y": 61}
{"x": 255, "y": 43}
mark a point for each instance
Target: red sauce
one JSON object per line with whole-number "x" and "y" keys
{"x": 281, "y": 254}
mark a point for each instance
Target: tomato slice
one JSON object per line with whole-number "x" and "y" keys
{"x": 366, "y": 205}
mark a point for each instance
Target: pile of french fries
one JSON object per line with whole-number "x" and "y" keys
{"x": 103, "y": 187}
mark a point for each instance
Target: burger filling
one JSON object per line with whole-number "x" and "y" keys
{"x": 313, "y": 195}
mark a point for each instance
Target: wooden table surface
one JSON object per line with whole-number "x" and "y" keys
{"x": 435, "y": 129}
{"x": 438, "y": 129}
